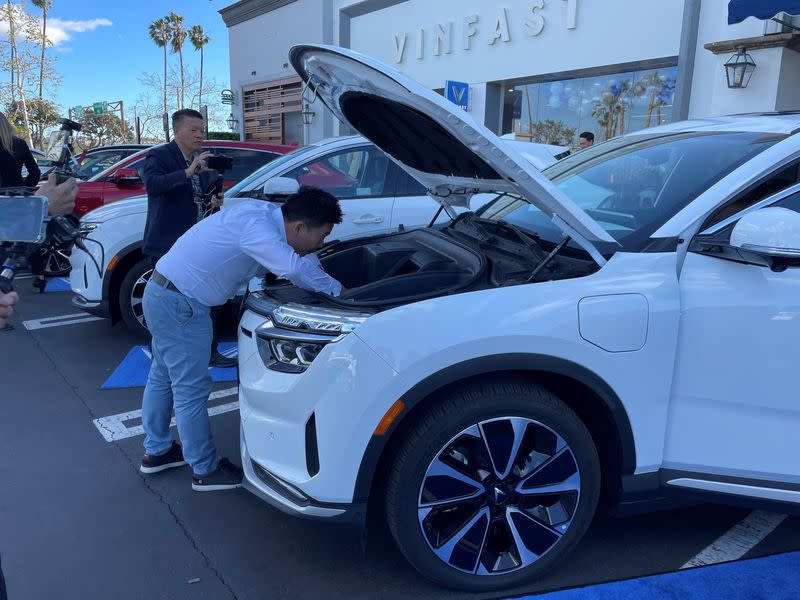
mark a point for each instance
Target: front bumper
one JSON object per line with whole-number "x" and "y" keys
{"x": 310, "y": 471}
{"x": 87, "y": 285}
{"x": 291, "y": 500}
{"x": 98, "y": 308}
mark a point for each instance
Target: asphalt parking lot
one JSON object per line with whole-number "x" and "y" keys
{"x": 78, "y": 520}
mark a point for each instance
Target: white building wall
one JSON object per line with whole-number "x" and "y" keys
{"x": 514, "y": 38}
{"x": 710, "y": 94}
{"x": 261, "y": 44}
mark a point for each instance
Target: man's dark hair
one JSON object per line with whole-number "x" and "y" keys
{"x": 312, "y": 206}
{"x": 587, "y": 135}
{"x": 179, "y": 115}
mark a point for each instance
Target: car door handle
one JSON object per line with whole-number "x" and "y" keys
{"x": 368, "y": 220}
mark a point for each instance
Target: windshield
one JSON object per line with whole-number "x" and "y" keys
{"x": 633, "y": 185}
{"x": 243, "y": 187}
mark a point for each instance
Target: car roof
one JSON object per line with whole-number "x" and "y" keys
{"x": 778, "y": 122}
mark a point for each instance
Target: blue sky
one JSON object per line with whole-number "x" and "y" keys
{"x": 104, "y": 47}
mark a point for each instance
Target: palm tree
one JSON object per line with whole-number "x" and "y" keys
{"x": 160, "y": 34}
{"x": 45, "y": 5}
{"x": 199, "y": 39}
{"x": 178, "y": 35}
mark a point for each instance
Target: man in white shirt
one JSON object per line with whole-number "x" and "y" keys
{"x": 206, "y": 267}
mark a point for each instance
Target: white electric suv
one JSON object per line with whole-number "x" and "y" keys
{"x": 623, "y": 324}
{"x": 376, "y": 197}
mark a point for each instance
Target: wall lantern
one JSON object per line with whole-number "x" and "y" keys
{"x": 233, "y": 123}
{"x": 307, "y": 114}
{"x": 739, "y": 68}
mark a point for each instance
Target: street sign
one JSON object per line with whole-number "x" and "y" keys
{"x": 228, "y": 97}
{"x": 77, "y": 111}
{"x": 100, "y": 108}
{"x": 458, "y": 93}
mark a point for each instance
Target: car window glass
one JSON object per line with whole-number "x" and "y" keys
{"x": 245, "y": 187}
{"x": 408, "y": 186}
{"x": 245, "y": 161}
{"x": 723, "y": 236}
{"x": 351, "y": 173}
{"x": 766, "y": 188}
{"x": 99, "y": 161}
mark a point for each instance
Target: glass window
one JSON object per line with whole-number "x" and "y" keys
{"x": 631, "y": 186}
{"x": 557, "y": 112}
{"x": 99, "y": 161}
{"x": 244, "y": 161}
{"x": 347, "y": 174}
{"x": 408, "y": 186}
{"x": 771, "y": 185}
{"x": 244, "y": 187}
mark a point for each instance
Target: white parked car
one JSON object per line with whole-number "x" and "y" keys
{"x": 623, "y": 324}
{"x": 376, "y": 197}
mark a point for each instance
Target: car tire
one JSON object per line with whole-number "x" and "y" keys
{"x": 130, "y": 297}
{"x": 520, "y": 525}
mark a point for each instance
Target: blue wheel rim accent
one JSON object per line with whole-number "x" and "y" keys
{"x": 498, "y": 496}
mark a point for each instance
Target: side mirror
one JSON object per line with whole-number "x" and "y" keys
{"x": 127, "y": 177}
{"x": 769, "y": 237}
{"x": 280, "y": 187}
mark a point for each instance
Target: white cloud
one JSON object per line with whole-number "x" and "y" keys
{"x": 61, "y": 30}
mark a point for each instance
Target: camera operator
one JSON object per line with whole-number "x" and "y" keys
{"x": 172, "y": 179}
{"x": 61, "y": 200}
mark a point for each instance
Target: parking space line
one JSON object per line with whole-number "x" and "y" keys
{"x": 113, "y": 428}
{"x": 59, "y": 321}
{"x": 738, "y": 540}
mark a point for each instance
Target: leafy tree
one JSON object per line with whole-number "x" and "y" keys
{"x": 552, "y": 132}
{"x": 160, "y": 34}
{"x": 99, "y": 130}
{"x": 42, "y": 114}
{"x": 199, "y": 40}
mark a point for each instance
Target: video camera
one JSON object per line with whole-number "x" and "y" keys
{"x": 24, "y": 226}
{"x": 60, "y": 152}
{"x": 211, "y": 182}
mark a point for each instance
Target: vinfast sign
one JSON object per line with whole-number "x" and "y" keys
{"x": 487, "y": 29}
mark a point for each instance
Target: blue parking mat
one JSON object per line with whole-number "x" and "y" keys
{"x": 59, "y": 284}
{"x": 770, "y": 578}
{"x": 133, "y": 370}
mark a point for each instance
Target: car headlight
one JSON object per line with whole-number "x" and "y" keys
{"x": 294, "y": 335}
{"x": 93, "y": 247}
{"x": 289, "y": 351}
{"x": 87, "y": 227}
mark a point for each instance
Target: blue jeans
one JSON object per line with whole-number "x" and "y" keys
{"x": 182, "y": 332}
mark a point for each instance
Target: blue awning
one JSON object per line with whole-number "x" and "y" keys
{"x": 739, "y": 10}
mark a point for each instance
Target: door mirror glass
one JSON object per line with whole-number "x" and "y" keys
{"x": 280, "y": 187}
{"x": 769, "y": 237}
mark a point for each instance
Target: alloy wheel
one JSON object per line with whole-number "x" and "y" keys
{"x": 55, "y": 259}
{"x": 498, "y": 496}
{"x": 137, "y": 295}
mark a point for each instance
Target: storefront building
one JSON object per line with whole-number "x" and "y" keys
{"x": 542, "y": 70}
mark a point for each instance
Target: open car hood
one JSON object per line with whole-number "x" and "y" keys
{"x": 432, "y": 139}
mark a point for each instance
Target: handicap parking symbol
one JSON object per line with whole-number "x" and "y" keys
{"x": 133, "y": 370}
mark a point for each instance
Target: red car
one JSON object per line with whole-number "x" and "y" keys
{"x": 122, "y": 180}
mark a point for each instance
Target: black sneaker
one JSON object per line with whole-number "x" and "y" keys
{"x": 221, "y": 361}
{"x": 155, "y": 463}
{"x": 227, "y": 477}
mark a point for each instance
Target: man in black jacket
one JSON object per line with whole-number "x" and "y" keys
{"x": 172, "y": 178}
